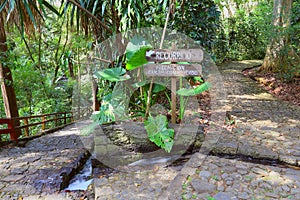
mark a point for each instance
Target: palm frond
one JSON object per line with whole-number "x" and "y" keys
{"x": 26, "y": 14}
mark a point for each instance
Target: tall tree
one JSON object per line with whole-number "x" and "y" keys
{"x": 8, "y": 92}
{"x": 25, "y": 15}
{"x": 276, "y": 54}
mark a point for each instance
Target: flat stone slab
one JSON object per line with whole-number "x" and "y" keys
{"x": 44, "y": 165}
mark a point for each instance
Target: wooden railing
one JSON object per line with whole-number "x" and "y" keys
{"x": 57, "y": 119}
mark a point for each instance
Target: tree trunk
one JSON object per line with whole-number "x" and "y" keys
{"x": 276, "y": 55}
{"x": 8, "y": 92}
{"x": 96, "y": 103}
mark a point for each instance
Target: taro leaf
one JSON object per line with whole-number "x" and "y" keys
{"x": 197, "y": 78}
{"x": 158, "y": 88}
{"x": 140, "y": 84}
{"x": 202, "y": 88}
{"x": 112, "y": 74}
{"x": 106, "y": 112}
{"x": 159, "y": 133}
{"x": 185, "y": 92}
{"x": 168, "y": 146}
{"x": 191, "y": 92}
{"x": 136, "y": 53}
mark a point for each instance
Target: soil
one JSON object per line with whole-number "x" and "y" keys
{"x": 287, "y": 91}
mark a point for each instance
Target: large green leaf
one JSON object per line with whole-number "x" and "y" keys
{"x": 158, "y": 132}
{"x": 158, "y": 88}
{"x": 106, "y": 113}
{"x": 140, "y": 84}
{"x": 136, "y": 53}
{"x": 191, "y": 92}
{"x": 112, "y": 74}
{"x": 202, "y": 88}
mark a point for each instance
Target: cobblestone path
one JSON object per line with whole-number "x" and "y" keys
{"x": 266, "y": 129}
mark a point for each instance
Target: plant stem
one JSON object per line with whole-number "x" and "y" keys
{"x": 161, "y": 44}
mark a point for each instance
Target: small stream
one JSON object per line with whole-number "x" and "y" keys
{"x": 83, "y": 179}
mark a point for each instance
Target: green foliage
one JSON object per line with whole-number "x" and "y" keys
{"x": 155, "y": 13}
{"x": 23, "y": 9}
{"x": 246, "y": 35}
{"x": 112, "y": 74}
{"x": 138, "y": 102}
{"x": 295, "y": 27}
{"x": 199, "y": 20}
{"x": 158, "y": 132}
{"x": 197, "y": 90}
{"x": 136, "y": 53}
{"x": 106, "y": 113}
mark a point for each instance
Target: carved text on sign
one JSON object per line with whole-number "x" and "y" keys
{"x": 172, "y": 70}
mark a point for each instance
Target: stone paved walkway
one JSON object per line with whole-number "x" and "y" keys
{"x": 267, "y": 128}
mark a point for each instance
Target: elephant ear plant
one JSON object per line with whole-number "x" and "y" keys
{"x": 156, "y": 127}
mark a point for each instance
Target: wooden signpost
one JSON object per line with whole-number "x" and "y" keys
{"x": 174, "y": 69}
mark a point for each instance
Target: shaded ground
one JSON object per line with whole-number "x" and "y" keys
{"x": 287, "y": 91}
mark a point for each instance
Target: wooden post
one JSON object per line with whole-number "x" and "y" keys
{"x": 26, "y": 128}
{"x": 173, "y": 99}
{"x": 13, "y": 134}
{"x": 43, "y": 124}
{"x": 65, "y": 118}
{"x": 173, "y": 94}
{"x": 56, "y": 121}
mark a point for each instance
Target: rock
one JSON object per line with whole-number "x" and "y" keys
{"x": 223, "y": 196}
{"x": 292, "y": 160}
{"x": 243, "y": 195}
{"x": 205, "y": 174}
{"x": 286, "y": 188}
{"x": 272, "y": 195}
{"x": 13, "y": 178}
{"x": 266, "y": 153}
{"x": 259, "y": 171}
{"x": 203, "y": 186}
{"x": 247, "y": 150}
{"x": 226, "y": 146}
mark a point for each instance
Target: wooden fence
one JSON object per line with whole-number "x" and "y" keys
{"x": 57, "y": 119}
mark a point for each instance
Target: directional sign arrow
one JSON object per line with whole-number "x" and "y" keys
{"x": 178, "y": 55}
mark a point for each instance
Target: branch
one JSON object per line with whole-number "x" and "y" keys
{"x": 101, "y": 59}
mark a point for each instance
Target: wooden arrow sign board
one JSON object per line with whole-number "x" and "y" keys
{"x": 173, "y": 56}
{"x": 177, "y": 55}
{"x": 172, "y": 70}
